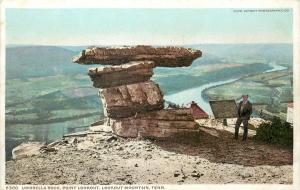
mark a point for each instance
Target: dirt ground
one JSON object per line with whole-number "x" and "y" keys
{"x": 212, "y": 157}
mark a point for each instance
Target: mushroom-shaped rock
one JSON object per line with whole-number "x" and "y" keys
{"x": 130, "y": 73}
{"x": 162, "y": 56}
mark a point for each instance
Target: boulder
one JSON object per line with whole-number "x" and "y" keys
{"x": 130, "y": 73}
{"x": 162, "y": 56}
{"x": 128, "y": 100}
{"x": 27, "y": 149}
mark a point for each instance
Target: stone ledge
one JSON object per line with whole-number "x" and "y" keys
{"x": 162, "y": 56}
{"x": 130, "y": 73}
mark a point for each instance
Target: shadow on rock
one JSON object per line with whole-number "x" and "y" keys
{"x": 219, "y": 146}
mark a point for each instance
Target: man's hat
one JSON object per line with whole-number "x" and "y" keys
{"x": 245, "y": 95}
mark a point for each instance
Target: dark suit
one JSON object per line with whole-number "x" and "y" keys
{"x": 244, "y": 113}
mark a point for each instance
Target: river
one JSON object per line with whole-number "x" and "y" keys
{"x": 196, "y": 94}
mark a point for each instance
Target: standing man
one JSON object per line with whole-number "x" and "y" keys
{"x": 244, "y": 113}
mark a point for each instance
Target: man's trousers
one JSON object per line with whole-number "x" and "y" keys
{"x": 237, "y": 127}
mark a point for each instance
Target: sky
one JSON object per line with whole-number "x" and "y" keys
{"x": 146, "y": 26}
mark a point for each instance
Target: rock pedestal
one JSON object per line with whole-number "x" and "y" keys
{"x": 134, "y": 104}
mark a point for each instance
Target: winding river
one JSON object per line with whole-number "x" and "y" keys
{"x": 195, "y": 94}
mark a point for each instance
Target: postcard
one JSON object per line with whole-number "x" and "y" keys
{"x": 149, "y": 95}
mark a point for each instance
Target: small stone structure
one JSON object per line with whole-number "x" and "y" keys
{"x": 133, "y": 104}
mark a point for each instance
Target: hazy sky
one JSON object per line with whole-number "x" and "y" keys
{"x": 145, "y": 26}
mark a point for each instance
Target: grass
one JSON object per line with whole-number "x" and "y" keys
{"x": 258, "y": 92}
{"x": 20, "y": 90}
{"x": 265, "y": 77}
{"x": 48, "y": 107}
{"x": 276, "y": 132}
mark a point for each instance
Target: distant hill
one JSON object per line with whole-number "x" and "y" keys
{"x": 282, "y": 54}
{"x": 38, "y": 61}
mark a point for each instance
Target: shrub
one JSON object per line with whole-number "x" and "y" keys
{"x": 276, "y": 132}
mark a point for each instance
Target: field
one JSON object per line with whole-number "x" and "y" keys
{"x": 270, "y": 91}
{"x": 46, "y": 108}
{"x": 181, "y": 79}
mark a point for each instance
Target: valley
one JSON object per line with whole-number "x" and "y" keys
{"x": 48, "y": 96}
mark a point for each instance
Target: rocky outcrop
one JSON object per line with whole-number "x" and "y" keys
{"x": 162, "y": 56}
{"x": 132, "y": 103}
{"x": 101, "y": 158}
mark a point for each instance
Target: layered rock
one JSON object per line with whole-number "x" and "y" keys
{"x": 162, "y": 123}
{"x": 127, "y": 100}
{"x": 162, "y": 56}
{"x": 180, "y": 114}
{"x": 133, "y": 104}
{"x": 133, "y": 72}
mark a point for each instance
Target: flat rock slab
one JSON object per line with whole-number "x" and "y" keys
{"x": 130, "y": 127}
{"x": 27, "y": 149}
{"x": 162, "y": 56}
{"x": 130, "y": 73}
{"x": 77, "y": 134}
{"x": 100, "y": 128}
{"x": 128, "y": 100}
